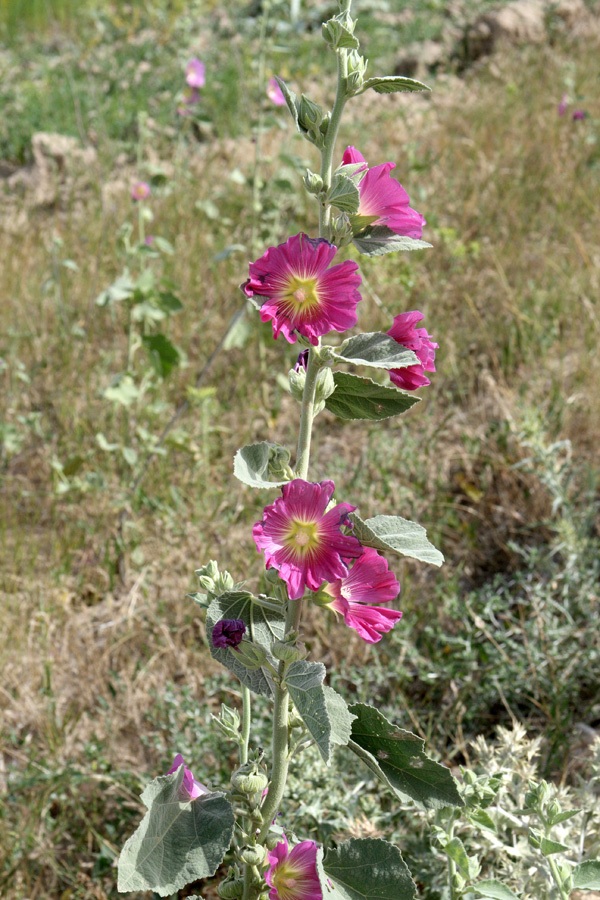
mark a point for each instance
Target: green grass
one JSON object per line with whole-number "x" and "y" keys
{"x": 103, "y": 679}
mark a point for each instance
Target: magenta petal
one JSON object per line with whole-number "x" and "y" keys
{"x": 370, "y": 622}
{"x": 405, "y": 332}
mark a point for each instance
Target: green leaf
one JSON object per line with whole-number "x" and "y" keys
{"x": 338, "y": 35}
{"x": 169, "y": 302}
{"x": 163, "y": 355}
{"x": 361, "y": 398}
{"x": 322, "y": 710}
{"x": 344, "y": 194}
{"x": 163, "y": 245}
{"x": 379, "y": 239}
{"x": 400, "y": 535}
{"x": 251, "y": 464}
{"x": 493, "y": 889}
{"x": 365, "y": 869}
{"x": 263, "y": 626}
{"x": 564, "y": 816}
{"x": 393, "y": 84}
{"x": 177, "y": 841}
{"x": 586, "y": 876}
{"x": 548, "y": 847}
{"x": 130, "y": 455}
{"x": 456, "y": 851}
{"x": 377, "y": 350}
{"x": 121, "y": 289}
{"x": 483, "y": 819}
{"x": 104, "y": 444}
{"x": 396, "y": 757}
{"x": 123, "y": 390}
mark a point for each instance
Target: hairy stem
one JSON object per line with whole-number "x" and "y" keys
{"x": 246, "y": 719}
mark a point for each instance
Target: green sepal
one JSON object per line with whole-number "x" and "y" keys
{"x": 365, "y": 869}
{"x": 291, "y": 100}
{"x": 397, "y": 534}
{"x": 177, "y": 841}
{"x": 253, "y": 464}
{"x": 493, "y": 889}
{"x": 379, "y": 239}
{"x": 393, "y": 84}
{"x": 323, "y": 711}
{"x": 377, "y": 350}
{"x": 344, "y": 194}
{"x": 396, "y": 757}
{"x": 362, "y": 398}
{"x": 263, "y": 626}
{"x": 338, "y": 35}
{"x": 586, "y": 876}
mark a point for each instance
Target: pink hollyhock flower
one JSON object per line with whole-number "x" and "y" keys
{"x": 369, "y": 579}
{"x": 195, "y": 73}
{"x": 190, "y": 788}
{"x": 579, "y": 114}
{"x": 304, "y": 542}
{"x": 300, "y": 292}
{"x": 416, "y": 339}
{"x": 140, "y": 190}
{"x": 228, "y": 632}
{"x": 274, "y": 93}
{"x": 384, "y": 197}
{"x": 562, "y": 106}
{"x": 292, "y": 874}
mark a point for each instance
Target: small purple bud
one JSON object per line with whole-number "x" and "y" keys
{"x": 302, "y": 362}
{"x": 579, "y": 114}
{"x": 228, "y": 632}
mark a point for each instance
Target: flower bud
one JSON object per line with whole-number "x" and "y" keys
{"x": 272, "y": 840}
{"x": 325, "y": 384}
{"x": 534, "y": 838}
{"x": 310, "y": 115}
{"x": 313, "y": 182}
{"x": 232, "y": 888}
{"x": 553, "y": 810}
{"x": 341, "y": 230}
{"x": 249, "y": 780}
{"x": 253, "y": 856}
{"x": 214, "y": 582}
{"x": 296, "y": 381}
{"x": 251, "y": 655}
{"x": 287, "y": 651}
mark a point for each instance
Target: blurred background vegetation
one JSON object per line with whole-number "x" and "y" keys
{"x": 105, "y": 669}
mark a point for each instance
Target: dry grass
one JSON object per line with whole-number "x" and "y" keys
{"x": 510, "y": 294}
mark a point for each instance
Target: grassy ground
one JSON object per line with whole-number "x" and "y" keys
{"x": 104, "y": 678}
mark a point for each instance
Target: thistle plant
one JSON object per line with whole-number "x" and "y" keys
{"x": 316, "y": 549}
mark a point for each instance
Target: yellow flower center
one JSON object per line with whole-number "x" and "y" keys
{"x": 301, "y": 296}
{"x": 303, "y": 536}
{"x": 285, "y": 881}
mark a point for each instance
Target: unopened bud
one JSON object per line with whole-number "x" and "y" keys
{"x": 553, "y": 810}
{"x": 310, "y": 115}
{"x": 535, "y": 838}
{"x": 232, "y": 888}
{"x": 341, "y": 230}
{"x": 253, "y": 856}
{"x": 313, "y": 182}
{"x": 251, "y": 655}
{"x": 272, "y": 840}
{"x": 288, "y": 652}
{"x": 249, "y": 780}
{"x": 325, "y": 384}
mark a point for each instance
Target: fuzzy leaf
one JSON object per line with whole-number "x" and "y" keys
{"x": 400, "y": 535}
{"x": 262, "y": 626}
{"x": 483, "y": 819}
{"x": 123, "y": 390}
{"x": 548, "y": 847}
{"x": 456, "y": 851}
{"x": 177, "y": 841}
{"x": 121, "y": 289}
{"x": 365, "y": 869}
{"x": 586, "y": 876}
{"x": 396, "y": 757}
{"x": 393, "y": 84}
{"x": 323, "y": 711}
{"x": 379, "y": 239}
{"x": 361, "y": 398}
{"x": 344, "y": 194}
{"x": 251, "y": 465}
{"x": 163, "y": 355}
{"x": 377, "y": 350}
{"x": 493, "y": 889}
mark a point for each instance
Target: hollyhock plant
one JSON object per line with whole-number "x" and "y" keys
{"x": 384, "y": 197}
{"x": 368, "y": 580}
{"x": 304, "y": 542}
{"x": 140, "y": 190}
{"x": 301, "y": 292}
{"x": 228, "y": 632}
{"x": 405, "y": 332}
{"x": 195, "y": 73}
{"x": 274, "y": 93}
{"x": 190, "y": 788}
{"x": 292, "y": 874}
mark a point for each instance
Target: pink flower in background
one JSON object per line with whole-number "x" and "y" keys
{"x": 195, "y": 73}
{"x": 304, "y": 542}
{"x": 384, "y": 197}
{"x": 579, "y": 114}
{"x": 369, "y": 580}
{"x": 405, "y": 333}
{"x": 301, "y": 292}
{"x": 292, "y": 874}
{"x": 274, "y": 93}
{"x": 562, "y": 106}
{"x": 190, "y": 788}
{"x": 149, "y": 240}
{"x": 140, "y": 190}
